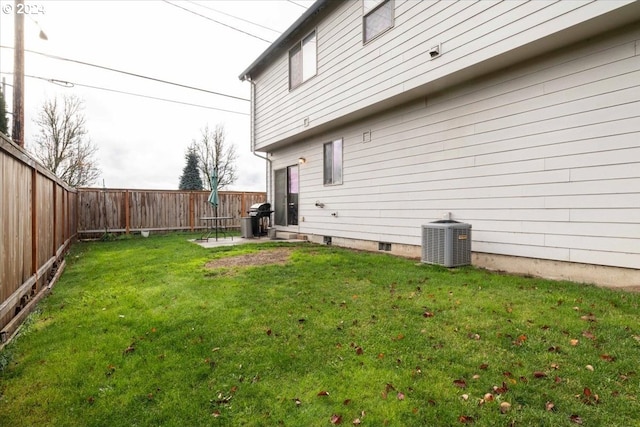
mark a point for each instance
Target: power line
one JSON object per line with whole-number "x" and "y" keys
{"x": 73, "y": 84}
{"x": 234, "y": 17}
{"x": 217, "y": 22}
{"x": 60, "y": 58}
{"x": 290, "y": 1}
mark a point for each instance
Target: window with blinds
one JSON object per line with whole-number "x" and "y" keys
{"x": 378, "y": 18}
{"x": 303, "y": 61}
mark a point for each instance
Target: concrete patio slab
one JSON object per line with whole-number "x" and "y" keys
{"x": 237, "y": 240}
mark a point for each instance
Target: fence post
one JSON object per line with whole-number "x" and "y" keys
{"x": 34, "y": 221}
{"x": 55, "y": 218}
{"x": 192, "y": 212}
{"x": 65, "y": 214}
{"x": 126, "y": 211}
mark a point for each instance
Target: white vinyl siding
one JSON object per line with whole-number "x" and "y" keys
{"x": 542, "y": 159}
{"x": 352, "y": 77}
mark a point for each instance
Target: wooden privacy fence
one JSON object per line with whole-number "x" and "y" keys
{"x": 38, "y": 220}
{"x": 40, "y": 217}
{"x": 125, "y": 211}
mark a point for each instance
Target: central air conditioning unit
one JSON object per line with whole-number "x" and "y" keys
{"x": 446, "y": 243}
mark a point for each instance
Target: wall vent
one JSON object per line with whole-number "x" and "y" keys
{"x": 446, "y": 243}
{"x": 327, "y": 240}
{"x": 384, "y": 246}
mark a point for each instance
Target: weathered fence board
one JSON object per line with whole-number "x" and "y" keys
{"x": 37, "y": 225}
{"x": 125, "y": 210}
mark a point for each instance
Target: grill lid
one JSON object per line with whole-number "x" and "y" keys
{"x": 260, "y": 207}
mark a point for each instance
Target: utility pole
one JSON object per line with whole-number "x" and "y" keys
{"x": 17, "y": 133}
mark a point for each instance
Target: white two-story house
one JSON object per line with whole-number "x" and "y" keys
{"x": 521, "y": 118}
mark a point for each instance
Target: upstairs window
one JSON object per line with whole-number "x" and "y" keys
{"x": 378, "y": 18}
{"x": 303, "y": 61}
{"x": 333, "y": 162}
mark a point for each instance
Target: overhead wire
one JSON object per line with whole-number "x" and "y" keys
{"x": 290, "y": 1}
{"x": 68, "y": 84}
{"x": 130, "y": 73}
{"x": 234, "y": 17}
{"x": 162, "y": 80}
{"x": 217, "y": 22}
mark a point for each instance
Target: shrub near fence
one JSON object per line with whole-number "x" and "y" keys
{"x": 37, "y": 225}
{"x": 125, "y": 211}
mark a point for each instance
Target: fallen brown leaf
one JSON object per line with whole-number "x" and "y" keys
{"x": 607, "y": 357}
{"x": 501, "y": 390}
{"x": 575, "y": 419}
{"x": 466, "y": 419}
{"x": 460, "y": 383}
{"x": 589, "y": 397}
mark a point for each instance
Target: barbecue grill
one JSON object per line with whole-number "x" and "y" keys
{"x": 260, "y": 214}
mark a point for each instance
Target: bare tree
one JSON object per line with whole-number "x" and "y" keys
{"x": 214, "y": 153}
{"x": 62, "y": 144}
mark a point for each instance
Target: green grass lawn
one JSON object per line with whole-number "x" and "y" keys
{"x": 138, "y": 332}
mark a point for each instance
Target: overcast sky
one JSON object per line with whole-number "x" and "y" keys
{"x": 142, "y": 141}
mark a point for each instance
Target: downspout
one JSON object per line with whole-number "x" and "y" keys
{"x": 252, "y": 136}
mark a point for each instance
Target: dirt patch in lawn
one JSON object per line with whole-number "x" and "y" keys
{"x": 264, "y": 257}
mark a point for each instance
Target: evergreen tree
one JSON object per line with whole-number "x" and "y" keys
{"x": 4, "y": 126}
{"x": 190, "y": 179}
